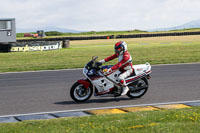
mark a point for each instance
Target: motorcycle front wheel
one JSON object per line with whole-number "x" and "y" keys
{"x": 139, "y": 89}
{"x": 79, "y": 93}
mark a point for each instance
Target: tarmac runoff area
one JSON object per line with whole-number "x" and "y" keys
{"x": 100, "y": 111}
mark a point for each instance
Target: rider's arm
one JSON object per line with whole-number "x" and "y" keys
{"x": 108, "y": 58}
{"x": 124, "y": 61}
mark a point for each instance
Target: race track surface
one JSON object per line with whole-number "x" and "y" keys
{"x": 46, "y": 91}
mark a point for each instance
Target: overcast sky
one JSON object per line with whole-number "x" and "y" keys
{"x": 98, "y": 15}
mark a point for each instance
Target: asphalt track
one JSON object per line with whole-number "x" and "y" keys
{"x": 46, "y": 91}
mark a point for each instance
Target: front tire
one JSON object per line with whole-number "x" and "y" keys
{"x": 142, "y": 83}
{"x": 79, "y": 93}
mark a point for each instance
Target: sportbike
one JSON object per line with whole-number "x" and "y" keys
{"x": 108, "y": 85}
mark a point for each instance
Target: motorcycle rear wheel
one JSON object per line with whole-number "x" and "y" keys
{"x": 79, "y": 93}
{"x": 139, "y": 93}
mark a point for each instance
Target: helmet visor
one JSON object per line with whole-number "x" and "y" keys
{"x": 117, "y": 51}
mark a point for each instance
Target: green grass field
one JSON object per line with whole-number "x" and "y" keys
{"x": 158, "y": 50}
{"x": 161, "y": 121}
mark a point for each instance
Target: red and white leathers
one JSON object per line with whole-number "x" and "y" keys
{"x": 124, "y": 65}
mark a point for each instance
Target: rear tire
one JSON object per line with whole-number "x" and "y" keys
{"x": 79, "y": 93}
{"x": 139, "y": 93}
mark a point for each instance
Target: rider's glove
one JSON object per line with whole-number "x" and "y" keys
{"x": 102, "y": 61}
{"x": 99, "y": 63}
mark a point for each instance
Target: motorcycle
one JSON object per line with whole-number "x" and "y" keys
{"x": 108, "y": 85}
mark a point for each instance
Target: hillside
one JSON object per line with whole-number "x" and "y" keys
{"x": 189, "y": 25}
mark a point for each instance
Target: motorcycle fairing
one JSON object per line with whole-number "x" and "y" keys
{"x": 141, "y": 71}
{"x": 133, "y": 79}
{"x": 101, "y": 82}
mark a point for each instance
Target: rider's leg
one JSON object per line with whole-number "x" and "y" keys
{"x": 123, "y": 82}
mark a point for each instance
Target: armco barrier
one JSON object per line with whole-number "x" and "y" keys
{"x": 64, "y": 38}
{"x": 112, "y": 36}
{"x": 158, "y": 34}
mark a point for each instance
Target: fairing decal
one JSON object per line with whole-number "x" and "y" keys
{"x": 135, "y": 78}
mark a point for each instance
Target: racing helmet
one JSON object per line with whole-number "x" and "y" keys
{"x": 120, "y": 47}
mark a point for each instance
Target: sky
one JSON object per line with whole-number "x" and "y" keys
{"x": 100, "y": 15}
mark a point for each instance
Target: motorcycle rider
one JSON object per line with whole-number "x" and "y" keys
{"x": 124, "y": 64}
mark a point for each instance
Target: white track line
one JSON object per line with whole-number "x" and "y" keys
{"x": 177, "y": 64}
{"x": 43, "y": 71}
{"x": 76, "y": 110}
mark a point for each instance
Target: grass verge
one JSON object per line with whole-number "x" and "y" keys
{"x": 157, "y": 50}
{"x": 164, "y": 121}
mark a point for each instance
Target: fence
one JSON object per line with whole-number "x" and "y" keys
{"x": 158, "y": 34}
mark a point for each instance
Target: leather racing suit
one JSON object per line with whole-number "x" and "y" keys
{"x": 124, "y": 65}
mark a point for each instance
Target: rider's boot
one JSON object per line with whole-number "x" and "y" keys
{"x": 125, "y": 90}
